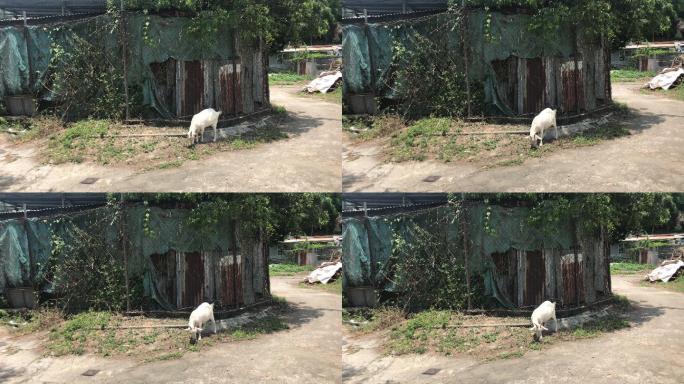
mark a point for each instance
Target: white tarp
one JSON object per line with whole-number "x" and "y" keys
{"x": 323, "y": 274}
{"x": 323, "y": 83}
{"x": 665, "y": 272}
{"x": 665, "y": 80}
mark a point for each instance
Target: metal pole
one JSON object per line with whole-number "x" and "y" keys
{"x": 124, "y": 55}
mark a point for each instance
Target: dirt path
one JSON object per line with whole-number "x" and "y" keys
{"x": 649, "y": 160}
{"x": 308, "y": 161}
{"x": 307, "y": 353}
{"x": 648, "y": 352}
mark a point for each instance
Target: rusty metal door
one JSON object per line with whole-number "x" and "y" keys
{"x": 506, "y": 267}
{"x": 165, "y": 82}
{"x": 535, "y": 85}
{"x": 193, "y": 289}
{"x": 193, "y": 88}
{"x": 165, "y": 274}
{"x": 572, "y": 78}
{"x": 507, "y": 80}
{"x": 572, "y": 273}
{"x": 230, "y": 88}
{"x": 231, "y": 281}
{"x": 535, "y": 275}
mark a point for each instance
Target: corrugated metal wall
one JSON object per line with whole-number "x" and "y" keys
{"x": 530, "y": 85}
{"x": 232, "y": 86}
{"x": 527, "y": 278}
{"x": 186, "y": 279}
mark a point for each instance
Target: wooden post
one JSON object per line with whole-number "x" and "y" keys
{"x": 576, "y": 264}
{"x": 464, "y": 44}
{"x": 235, "y": 264}
{"x": 234, "y": 77}
{"x": 577, "y": 72}
{"x": 366, "y": 224}
{"x": 124, "y": 241}
{"x": 464, "y": 232}
{"x": 267, "y": 255}
{"x": 124, "y": 55}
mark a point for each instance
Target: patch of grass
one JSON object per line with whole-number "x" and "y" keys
{"x": 511, "y": 355}
{"x": 627, "y": 75}
{"x": 264, "y": 325}
{"x": 332, "y": 97}
{"x": 629, "y": 268}
{"x": 170, "y": 164}
{"x": 166, "y": 356}
{"x": 72, "y": 336}
{"x": 440, "y": 331}
{"x": 608, "y": 323}
{"x": 334, "y": 287}
{"x": 676, "y": 285}
{"x": 675, "y": 93}
{"x": 288, "y": 269}
{"x": 108, "y": 142}
{"x": 287, "y": 78}
{"x": 451, "y": 140}
{"x": 375, "y": 319}
{"x": 279, "y": 110}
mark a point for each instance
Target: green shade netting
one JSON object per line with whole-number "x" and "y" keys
{"x": 24, "y": 240}
{"x": 367, "y": 242}
{"x": 508, "y": 35}
{"x": 151, "y": 39}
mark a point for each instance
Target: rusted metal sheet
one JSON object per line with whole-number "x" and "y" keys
{"x": 506, "y": 77}
{"x": 193, "y": 88}
{"x": 231, "y": 275}
{"x": 506, "y": 266}
{"x": 572, "y": 79}
{"x": 230, "y": 88}
{"x": 165, "y": 82}
{"x": 535, "y": 275}
{"x": 570, "y": 271}
{"x": 165, "y": 274}
{"x": 534, "y": 86}
{"x": 193, "y": 288}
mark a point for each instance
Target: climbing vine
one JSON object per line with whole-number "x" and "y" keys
{"x": 86, "y": 267}
{"x": 428, "y": 60}
{"x": 426, "y": 268}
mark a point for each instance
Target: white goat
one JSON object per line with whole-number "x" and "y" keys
{"x": 200, "y": 316}
{"x": 205, "y": 119}
{"x": 545, "y": 312}
{"x": 545, "y": 120}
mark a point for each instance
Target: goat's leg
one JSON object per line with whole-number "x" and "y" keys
{"x": 215, "y": 131}
{"x": 556, "y": 127}
{"x": 555, "y": 323}
{"x": 214, "y": 323}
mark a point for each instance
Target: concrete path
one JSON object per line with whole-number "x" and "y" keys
{"x": 648, "y": 352}
{"x": 308, "y": 161}
{"x": 648, "y": 161}
{"x": 307, "y": 353}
